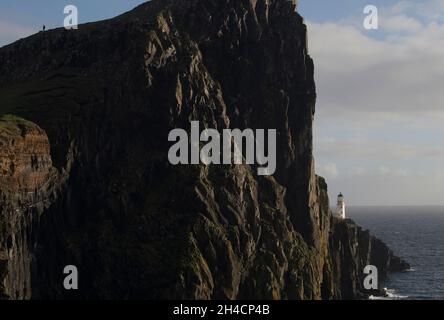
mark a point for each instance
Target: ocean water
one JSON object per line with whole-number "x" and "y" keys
{"x": 415, "y": 234}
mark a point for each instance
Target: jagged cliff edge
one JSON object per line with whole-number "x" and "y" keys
{"x": 85, "y": 179}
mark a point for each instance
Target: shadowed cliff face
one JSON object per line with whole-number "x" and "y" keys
{"x": 99, "y": 104}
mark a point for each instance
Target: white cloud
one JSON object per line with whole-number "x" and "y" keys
{"x": 384, "y": 169}
{"x": 375, "y": 148}
{"x": 357, "y": 73}
{"x": 387, "y": 189}
{"x": 330, "y": 170}
{"x": 428, "y": 10}
{"x": 400, "y": 23}
{"x": 387, "y": 171}
{"x": 380, "y": 104}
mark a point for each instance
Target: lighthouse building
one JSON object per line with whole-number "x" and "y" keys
{"x": 341, "y": 206}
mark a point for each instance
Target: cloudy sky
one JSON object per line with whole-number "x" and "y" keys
{"x": 379, "y": 134}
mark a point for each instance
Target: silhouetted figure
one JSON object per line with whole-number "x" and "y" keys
{"x": 44, "y": 27}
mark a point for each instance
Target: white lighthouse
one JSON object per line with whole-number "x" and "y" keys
{"x": 341, "y": 206}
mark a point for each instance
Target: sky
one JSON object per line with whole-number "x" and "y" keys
{"x": 379, "y": 125}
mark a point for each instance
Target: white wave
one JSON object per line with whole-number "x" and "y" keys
{"x": 378, "y": 298}
{"x": 392, "y": 295}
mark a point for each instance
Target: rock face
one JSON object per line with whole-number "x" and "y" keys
{"x": 27, "y": 179}
{"x": 85, "y": 180}
{"x": 351, "y": 250}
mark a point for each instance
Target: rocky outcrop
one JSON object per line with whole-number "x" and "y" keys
{"x": 351, "y": 250}
{"x": 105, "y": 97}
{"x": 27, "y": 179}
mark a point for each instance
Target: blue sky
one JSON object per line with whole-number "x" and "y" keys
{"x": 50, "y": 12}
{"x": 29, "y": 16}
{"x": 321, "y": 10}
{"x": 378, "y": 128}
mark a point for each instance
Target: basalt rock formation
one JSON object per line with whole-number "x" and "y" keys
{"x": 85, "y": 179}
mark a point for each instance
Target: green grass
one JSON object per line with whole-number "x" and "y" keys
{"x": 52, "y": 92}
{"x": 9, "y": 121}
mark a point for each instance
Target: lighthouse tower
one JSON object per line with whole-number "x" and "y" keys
{"x": 341, "y": 206}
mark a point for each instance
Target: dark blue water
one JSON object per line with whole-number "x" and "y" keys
{"x": 415, "y": 234}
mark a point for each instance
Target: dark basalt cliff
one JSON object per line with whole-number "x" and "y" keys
{"x": 85, "y": 179}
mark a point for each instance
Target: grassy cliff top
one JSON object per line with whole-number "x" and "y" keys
{"x": 10, "y": 123}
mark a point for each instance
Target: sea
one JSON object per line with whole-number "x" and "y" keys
{"x": 416, "y": 234}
